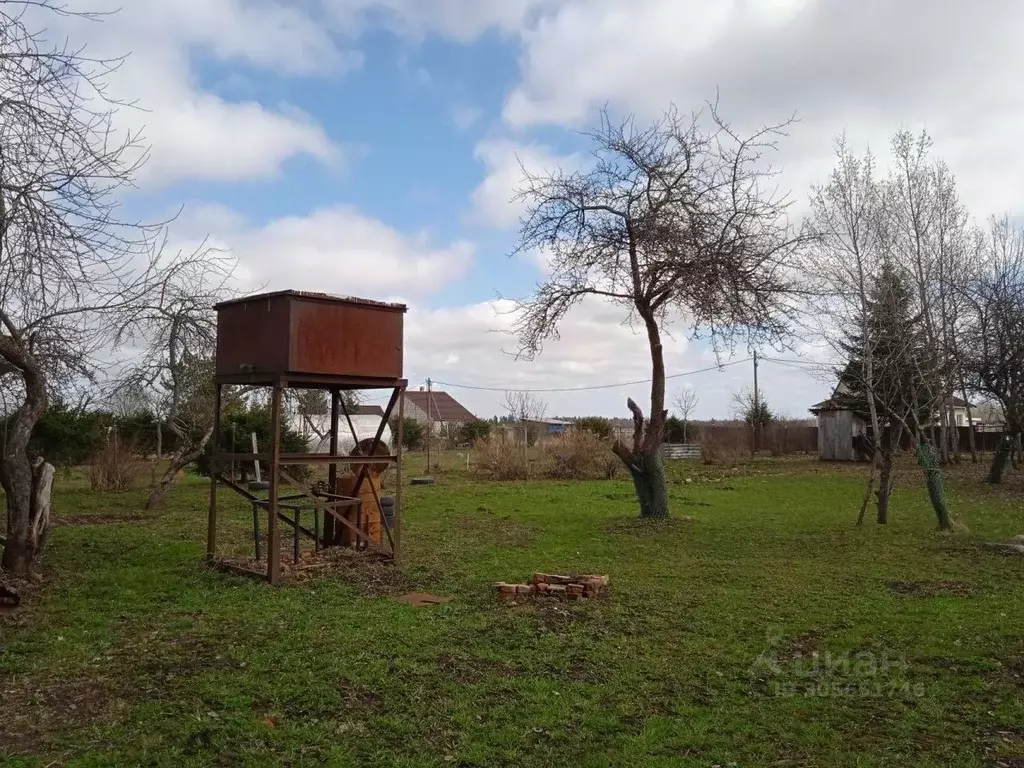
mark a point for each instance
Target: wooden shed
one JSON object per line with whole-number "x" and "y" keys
{"x": 838, "y": 431}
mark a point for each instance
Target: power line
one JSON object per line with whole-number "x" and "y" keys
{"x": 590, "y": 388}
{"x": 813, "y": 363}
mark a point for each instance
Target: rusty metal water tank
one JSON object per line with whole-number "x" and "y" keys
{"x": 305, "y": 336}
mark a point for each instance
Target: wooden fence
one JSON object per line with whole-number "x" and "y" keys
{"x": 776, "y": 439}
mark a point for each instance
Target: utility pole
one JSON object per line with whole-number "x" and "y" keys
{"x": 756, "y": 421}
{"x": 430, "y": 421}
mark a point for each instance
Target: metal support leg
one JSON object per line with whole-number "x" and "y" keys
{"x": 273, "y": 543}
{"x": 256, "y": 530}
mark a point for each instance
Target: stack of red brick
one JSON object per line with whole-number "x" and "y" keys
{"x": 563, "y": 587}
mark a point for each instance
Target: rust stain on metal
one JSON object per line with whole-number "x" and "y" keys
{"x": 305, "y": 333}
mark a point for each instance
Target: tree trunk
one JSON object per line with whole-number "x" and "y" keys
{"x": 1001, "y": 459}
{"x": 884, "y": 489}
{"x": 159, "y": 493}
{"x": 867, "y": 491}
{"x": 26, "y": 532}
{"x": 971, "y": 445}
{"x": 644, "y": 460}
{"x": 159, "y": 440}
{"x": 648, "y": 473}
{"x": 933, "y": 478}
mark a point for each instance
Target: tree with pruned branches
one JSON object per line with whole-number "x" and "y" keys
{"x": 676, "y": 220}
{"x": 75, "y": 277}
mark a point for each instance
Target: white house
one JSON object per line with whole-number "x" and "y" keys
{"x": 440, "y": 409}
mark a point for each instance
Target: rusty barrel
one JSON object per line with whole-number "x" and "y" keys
{"x": 367, "y": 516}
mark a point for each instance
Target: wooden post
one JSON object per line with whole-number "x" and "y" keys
{"x": 430, "y": 424}
{"x": 273, "y": 545}
{"x": 397, "y": 523}
{"x": 756, "y": 421}
{"x": 211, "y": 521}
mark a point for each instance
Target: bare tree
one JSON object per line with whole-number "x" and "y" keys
{"x": 993, "y": 333}
{"x": 928, "y": 239}
{"x": 179, "y": 331}
{"x": 686, "y": 402}
{"x": 905, "y": 230}
{"x": 74, "y": 276}
{"x": 524, "y": 407}
{"x": 847, "y": 221}
{"x": 673, "y": 220}
{"x": 754, "y": 411}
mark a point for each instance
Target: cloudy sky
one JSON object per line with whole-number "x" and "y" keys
{"x": 371, "y": 147}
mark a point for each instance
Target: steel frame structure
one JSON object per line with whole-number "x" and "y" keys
{"x": 326, "y": 505}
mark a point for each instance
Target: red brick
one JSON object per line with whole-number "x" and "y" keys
{"x": 574, "y": 589}
{"x": 539, "y": 578}
{"x": 558, "y": 590}
{"x": 542, "y": 587}
{"x": 561, "y": 580}
{"x": 523, "y": 589}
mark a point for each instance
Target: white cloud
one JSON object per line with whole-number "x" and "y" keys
{"x": 472, "y": 345}
{"x": 504, "y": 160}
{"x": 867, "y": 67}
{"x": 335, "y": 250}
{"x": 193, "y": 132}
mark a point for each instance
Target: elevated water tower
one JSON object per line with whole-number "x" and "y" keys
{"x": 302, "y": 340}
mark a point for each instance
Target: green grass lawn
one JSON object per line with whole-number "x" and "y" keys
{"x": 764, "y": 631}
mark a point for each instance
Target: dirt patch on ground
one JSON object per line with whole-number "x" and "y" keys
{"x": 14, "y": 593}
{"x": 935, "y": 588}
{"x": 800, "y": 647}
{"x": 372, "y": 573}
{"x": 32, "y": 709}
{"x": 1005, "y": 748}
{"x": 97, "y": 519}
{"x": 641, "y": 528}
{"x": 555, "y": 615}
{"x": 357, "y": 702}
{"x": 470, "y": 670}
{"x": 1011, "y": 670}
{"x": 182, "y": 656}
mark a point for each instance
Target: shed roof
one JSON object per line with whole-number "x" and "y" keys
{"x": 315, "y": 296}
{"x": 442, "y": 406}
